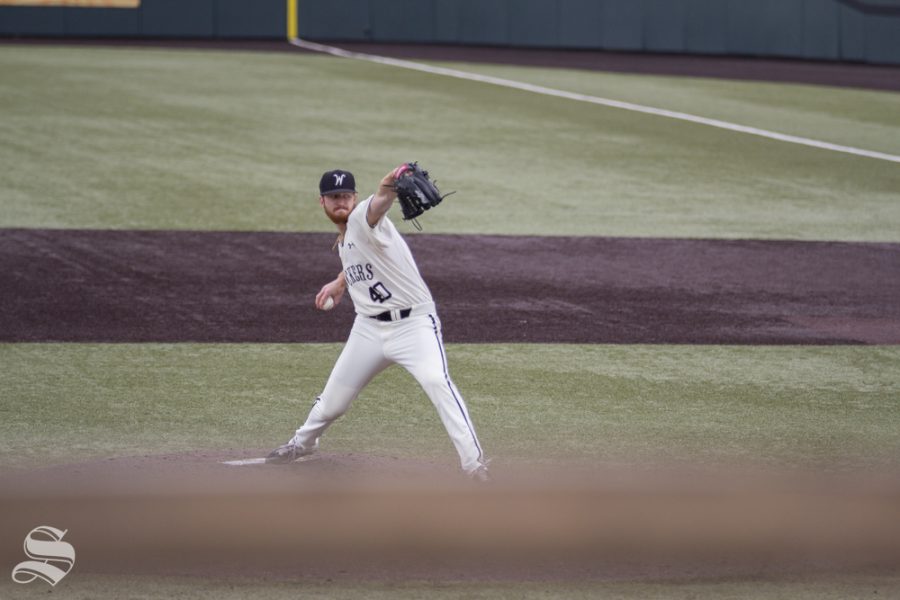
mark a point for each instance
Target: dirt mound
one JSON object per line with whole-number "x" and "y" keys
{"x": 220, "y": 471}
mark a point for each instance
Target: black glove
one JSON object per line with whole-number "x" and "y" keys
{"x": 416, "y": 192}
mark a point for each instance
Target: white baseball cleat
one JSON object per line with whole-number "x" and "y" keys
{"x": 480, "y": 475}
{"x": 289, "y": 453}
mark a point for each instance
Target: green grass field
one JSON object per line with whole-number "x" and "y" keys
{"x": 164, "y": 139}
{"x": 156, "y": 139}
{"x": 139, "y": 588}
{"x": 783, "y": 407}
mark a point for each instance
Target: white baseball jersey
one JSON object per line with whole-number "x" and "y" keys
{"x": 379, "y": 269}
{"x": 382, "y": 277}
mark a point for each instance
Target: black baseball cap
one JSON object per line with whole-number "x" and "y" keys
{"x": 336, "y": 182}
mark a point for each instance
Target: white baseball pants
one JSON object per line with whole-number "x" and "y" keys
{"x": 416, "y": 344}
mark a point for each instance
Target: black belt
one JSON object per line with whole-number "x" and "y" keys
{"x": 386, "y": 315}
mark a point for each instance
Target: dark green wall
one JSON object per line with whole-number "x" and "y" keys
{"x": 154, "y": 18}
{"x": 815, "y": 29}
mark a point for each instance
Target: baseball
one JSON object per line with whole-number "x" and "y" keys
{"x": 328, "y": 304}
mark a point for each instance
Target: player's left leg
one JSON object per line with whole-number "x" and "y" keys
{"x": 418, "y": 346}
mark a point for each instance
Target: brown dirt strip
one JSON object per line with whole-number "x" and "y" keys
{"x": 189, "y": 286}
{"x": 843, "y": 74}
{"x": 352, "y": 517}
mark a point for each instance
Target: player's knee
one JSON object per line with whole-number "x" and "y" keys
{"x": 433, "y": 382}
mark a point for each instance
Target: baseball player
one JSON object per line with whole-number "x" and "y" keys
{"x": 395, "y": 322}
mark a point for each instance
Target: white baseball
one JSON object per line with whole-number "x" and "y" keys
{"x": 328, "y": 304}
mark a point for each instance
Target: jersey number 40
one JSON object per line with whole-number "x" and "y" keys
{"x": 379, "y": 293}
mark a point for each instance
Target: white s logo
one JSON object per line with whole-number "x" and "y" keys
{"x": 44, "y": 552}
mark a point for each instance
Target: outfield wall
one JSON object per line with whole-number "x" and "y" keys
{"x": 810, "y": 29}
{"x": 850, "y": 30}
{"x": 152, "y": 18}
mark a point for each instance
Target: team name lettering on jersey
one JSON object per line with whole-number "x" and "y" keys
{"x": 356, "y": 273}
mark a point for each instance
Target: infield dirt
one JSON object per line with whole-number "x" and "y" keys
{"x": 180, "y": 286}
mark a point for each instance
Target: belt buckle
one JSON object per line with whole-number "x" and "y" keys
{"x": 396, "y": 314}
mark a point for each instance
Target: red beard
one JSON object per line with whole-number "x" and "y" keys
{"x": 340, "y": 219}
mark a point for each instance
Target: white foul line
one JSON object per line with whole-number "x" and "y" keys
{"x": 539, "y": 89}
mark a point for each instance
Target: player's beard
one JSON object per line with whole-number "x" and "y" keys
{"x": 339, "y": 219}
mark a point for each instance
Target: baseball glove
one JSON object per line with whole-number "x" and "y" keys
{"x": 416, "y": 192}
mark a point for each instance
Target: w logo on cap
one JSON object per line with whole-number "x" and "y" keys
{"x": 337, "y": 181}
{"x": 52, "y": 557}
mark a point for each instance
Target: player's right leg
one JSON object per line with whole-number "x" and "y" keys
{"x": 361, "y": 359}
{"x": 418, "y": 346}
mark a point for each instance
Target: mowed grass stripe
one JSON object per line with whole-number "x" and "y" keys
{"x": 169, "y": 286}
{"x": 855, "y": 117}
{"x": 160, "y": 139}
{"x": 836, "y": 587}
{"x": 598, "y": 100}
{"x": 831, "y": 587}
{"x": 708, "y": 406}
